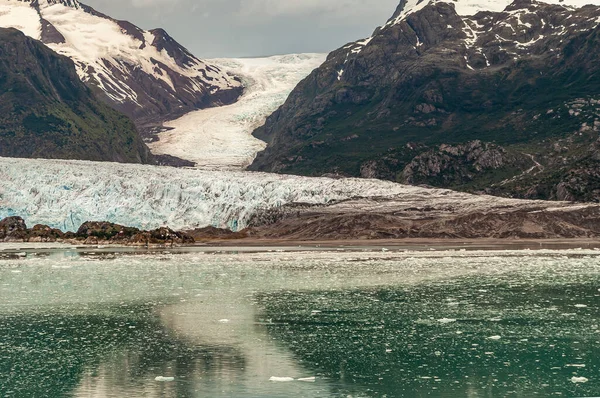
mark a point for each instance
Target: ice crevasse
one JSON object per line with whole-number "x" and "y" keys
{"x": 64, "y": 194}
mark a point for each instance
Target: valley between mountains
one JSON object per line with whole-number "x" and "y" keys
{"x": 456, "y": 119}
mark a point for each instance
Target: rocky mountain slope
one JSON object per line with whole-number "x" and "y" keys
{"x": 487, "y": 96}
{"x": 145, "y": 74}
{"x": 47, "y": 112}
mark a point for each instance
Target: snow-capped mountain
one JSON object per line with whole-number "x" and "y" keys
{"x": 496, "y": 96}
{"x": 145, "y": 74}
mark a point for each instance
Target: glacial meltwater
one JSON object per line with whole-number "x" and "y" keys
{"x": 334, "y": 323}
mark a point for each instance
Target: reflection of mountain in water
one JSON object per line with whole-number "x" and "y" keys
{"x": 54, "y": 355}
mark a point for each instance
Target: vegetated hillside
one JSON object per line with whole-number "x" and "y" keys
{"x": 505, "y": 102}
{"x": 47, "y": 112}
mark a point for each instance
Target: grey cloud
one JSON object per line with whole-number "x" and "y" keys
{"x": 220, "y": 28}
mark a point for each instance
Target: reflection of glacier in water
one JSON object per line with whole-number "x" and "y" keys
{"x": 64, "y": 194}
{"x": 221, "y": 137}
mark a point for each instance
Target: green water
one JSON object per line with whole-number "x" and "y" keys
{"x": 363, "y": 324}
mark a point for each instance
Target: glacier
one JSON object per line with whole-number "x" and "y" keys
{"x": 221, "y": 138}
{"x": 64, "y": 194}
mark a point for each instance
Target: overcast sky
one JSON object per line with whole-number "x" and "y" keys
{"x": 240, "y": 28}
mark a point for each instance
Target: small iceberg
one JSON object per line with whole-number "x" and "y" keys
{"x": 446, "y": 320}
{"x": 164, "y": 379}
{"x": 579, "y": 380}
{"x": 281, "y": 379}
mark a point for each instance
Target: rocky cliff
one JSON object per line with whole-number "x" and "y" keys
{"x": 478, "y": 96}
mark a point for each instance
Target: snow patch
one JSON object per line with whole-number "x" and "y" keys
{"x": 20, "y": 15}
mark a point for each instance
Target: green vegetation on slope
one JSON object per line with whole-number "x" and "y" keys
{"x": 47, "y": 112}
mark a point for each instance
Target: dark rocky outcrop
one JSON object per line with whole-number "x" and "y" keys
{"x": 13, "y": 228}
{"x": 407, "y": 104}
{"x": 47, "y": 112}
{"x": 43, "y": 233}
{"x": 92, "y": 233}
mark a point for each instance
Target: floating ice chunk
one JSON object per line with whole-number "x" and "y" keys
{"x": 578, "y": 380}
{"x": 446, "y": 320}
{"x": 308, "y": 379}
{"x": 495, "y": 337}
{"x": 281, "y": 379}
{"x": 164, "y": 379}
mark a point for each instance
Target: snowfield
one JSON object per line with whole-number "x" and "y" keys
{"x": 64, "y": 194}
{"x": 221, "y": 137}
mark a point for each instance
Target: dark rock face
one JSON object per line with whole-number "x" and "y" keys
{"x": 47, "y": 112}
{"x": 391, "y": 107}
{"x": 455, "y": 165}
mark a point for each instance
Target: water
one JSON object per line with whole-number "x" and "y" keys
{"x": 105, "y": 323}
